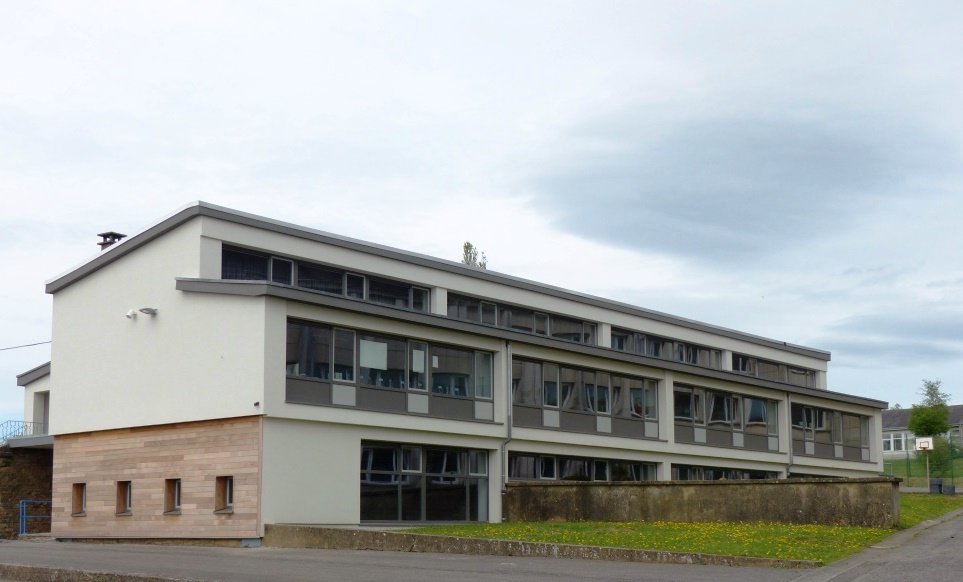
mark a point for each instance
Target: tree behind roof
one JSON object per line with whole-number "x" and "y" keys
{"x": 931, "y": 416}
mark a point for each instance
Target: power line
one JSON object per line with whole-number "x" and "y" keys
{"x": 24, "y": 346}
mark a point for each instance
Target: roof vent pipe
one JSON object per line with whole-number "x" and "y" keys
{"x": 109, "y": 238}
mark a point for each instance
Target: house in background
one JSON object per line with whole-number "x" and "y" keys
{"x": 220, "y": 371}
{"x": 899, "y": 442}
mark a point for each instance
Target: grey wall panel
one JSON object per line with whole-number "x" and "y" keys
{"x": 298, "y": 391}
{"x": 756, "y": 442}
{"x": 628, "y": 428}
{"x": 826, "y": 451}
{"x": 684, "y": 433}
{"x": 578, "y": 422}
{"x": 525, "y": 416}
{"x": 460, "y": 408}
{"x": 719, "y": 438}
{"x": 375, "y": 399}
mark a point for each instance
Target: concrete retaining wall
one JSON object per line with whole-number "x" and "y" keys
{"x": 306, "y": 536}
{"x": 871, "y": 502}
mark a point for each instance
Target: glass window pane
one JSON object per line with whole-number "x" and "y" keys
{"x": 546, "y": 467}
{"x": 851, "y": 430}
{"x": 621, "y": 340}
{"x": 655, "y": 347}
{"x": 768, "y": 370}
{"x": 420, "y": 299}
{"x": 388, "y": 293}
{"x": 344, "y": 355}
{"x": 320, "y": 279}
{"x": 601, "y": 471}
{"x": 587, "y": 385}
{"x": 588, "y": 334}
{"x": 411, "y": 459}
{"x": 382, "y": 361}
{"x": 521, "y": 466}
{"x": 519, "y": 318}
{"x": 240, "y": 265}
{"x": 651, "y": 399}
{"x": 698, "y": 406}
{"x": 574, "y": 469}
{"x": 772, "y": 418}
{"x": 464, "y": 308}
{"x": 720, "y": 409}
{"x": 567, "y": 329}
{"x": 550, "y": 379}
{"x": 282, "y": 271}
{"x": 308, "y": 350}
{"x": 756, "y": 412}
{"x": 483, "y": 375}
{"x": 418, "y": 366}
{"x": 571, "y": 394}
{"x": 478, "y": 462}
{"x": 541, "y": 324}
{"x": 451, "y": 371}
{"x": 736, "y": 413}
{"x": 355, "y": 286}
{"x": 445, "y": 462}
{"x": 411, "y": 486}
{"x": 683, "y": 404}
{"x": 489, "y": 313}
{"x": 526, "y": 383}
{"x": 602, "y": 393}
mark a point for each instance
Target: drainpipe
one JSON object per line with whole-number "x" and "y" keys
{"x": 789, "y": 436}
{"x": 508, "y": 415}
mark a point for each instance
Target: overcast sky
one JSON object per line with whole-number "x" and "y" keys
{"x": 788, "y": 169}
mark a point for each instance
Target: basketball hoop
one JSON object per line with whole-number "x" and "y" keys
{"x": 923, "y": 446}
{"x": 924, "y": 443}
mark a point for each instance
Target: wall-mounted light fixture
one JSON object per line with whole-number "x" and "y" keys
{"x": 131, "y": 314}
{"x": 148, "y": 311}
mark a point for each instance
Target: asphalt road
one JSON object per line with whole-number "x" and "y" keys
{"x": 935, "y": 553}
{"x": 242, "y": 565}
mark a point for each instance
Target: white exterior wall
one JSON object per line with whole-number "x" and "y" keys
{"x": 311, "y": 469}
{"x": 31, "y": 397}
{"x": 201, "y": 357}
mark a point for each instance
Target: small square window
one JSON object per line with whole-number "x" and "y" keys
{"x": 478, "y": 462}
{"x": 546, "y": 468}
{"x": 224, "y": 494}
{"x": 172, "y": 496}
{"x": 78, "y": 504}
{"x": 123, "y": 497}
{"x": 411, "y": 459}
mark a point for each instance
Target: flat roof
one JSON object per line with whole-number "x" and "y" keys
{"x": 200, "y": 208}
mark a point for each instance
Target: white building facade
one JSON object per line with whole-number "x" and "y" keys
{"x": 221, "y": 371}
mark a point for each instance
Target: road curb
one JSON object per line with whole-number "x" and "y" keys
{"x": 48, "y": 574}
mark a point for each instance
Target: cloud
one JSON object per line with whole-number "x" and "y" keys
{"x": 890, "y": 339}
{"x": 730, "y": 189}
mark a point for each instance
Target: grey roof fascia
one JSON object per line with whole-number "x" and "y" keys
{"x": 206, "y": 209}
{"x": 40, "y": 441}
{"x": 34, "y": 374}
{"x": 262, "y": 288}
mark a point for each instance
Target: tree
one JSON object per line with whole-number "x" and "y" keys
{"x": 473, "y": 257}
{"x": 931, "y": 416}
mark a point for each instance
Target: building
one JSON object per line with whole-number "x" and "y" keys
{"x": 899, "y": 442}
{"x": 221, "y": 371}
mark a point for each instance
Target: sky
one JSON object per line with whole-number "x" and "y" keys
{"x": 786, "y": 169}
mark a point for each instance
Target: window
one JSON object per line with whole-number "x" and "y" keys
{"x": 224, "y": 494}
{"x": 484, "y": 380}
{"x": 418, "y": 370}
{"x": 550, "y": 383}
{"x": 526, "y": 383}
{"x": 309, "y": 351}
{"x": 123, "y": 498}
{"x": 523, "y": 466}
{"x": 242, "y": 265}
{"x": 423, "y": 483}
{"x": 451, "y": 371}
{"x": 381, "y": 361}
{"x": 318, "y": 278}
{"x": 78, "y": 499}
{"x": 773, "y": 371}
{"x": 172, "y": 496}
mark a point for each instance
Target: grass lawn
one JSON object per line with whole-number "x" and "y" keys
{"x": 769, "y": 540}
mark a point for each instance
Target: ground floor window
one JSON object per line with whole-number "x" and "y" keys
{"x": 407, "y": 482}
{"x": 525, "y": 466}
{"x": 695, "y": 473}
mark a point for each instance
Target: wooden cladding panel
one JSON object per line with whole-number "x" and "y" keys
{"x": 196, "y": 453}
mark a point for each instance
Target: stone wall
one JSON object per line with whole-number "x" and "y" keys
{"x": 870, "y": 502}
{"x": 24, "y": 474}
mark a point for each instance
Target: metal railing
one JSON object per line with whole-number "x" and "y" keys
{"x": 24, "y": 516}
{"x": 18, "y": 428}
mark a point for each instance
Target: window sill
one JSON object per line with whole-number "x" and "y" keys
{"x": 225, "y": 511}
{"x": 123, "y": 514}
{"x": 81, "y": 514}
{"x": 175, "y": 512}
